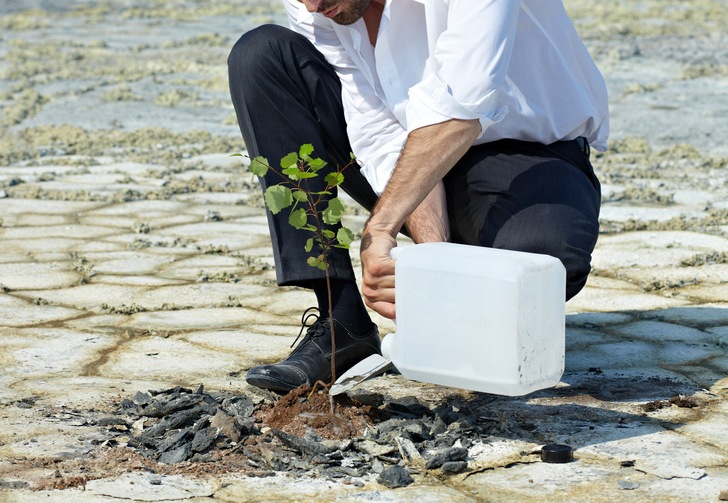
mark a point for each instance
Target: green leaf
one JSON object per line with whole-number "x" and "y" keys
{"x": 334, "y": 179}
{"x": 328, "y": 234}
{"x": 306, "y": 174}
{"x": 321, "y": 193}
{"x": 259, "y": 166}
{"x": 309, "y": 245}
{"x": 292, "y": 172}
{"x": 300, "y": 196}
{"x": 278, "y": 197}
{"x": 353, "y": 157}
{"x": 236, "y": 155}
{"x": 316, "y": 164}
{"x": 333, "y": 213}
{"x": 310, "y": 228}
{"x": 289, "y": 160}
{"x": 316, "y": 262}
{"x": 298, "y": 218}
{"x": 305, "y": 150}
{"x": 344, "y": 236}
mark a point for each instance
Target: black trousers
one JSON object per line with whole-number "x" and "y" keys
{"x": 507, "y": 194}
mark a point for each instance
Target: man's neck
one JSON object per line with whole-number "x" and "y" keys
{"x": 372, "y": 18}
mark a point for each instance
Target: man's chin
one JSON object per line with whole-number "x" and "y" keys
{"x": 345, "y": 19}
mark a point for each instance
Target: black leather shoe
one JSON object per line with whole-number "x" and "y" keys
{"x": 311, "y": 360}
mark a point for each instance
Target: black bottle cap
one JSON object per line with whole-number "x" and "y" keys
{"x": 557, "y": 453}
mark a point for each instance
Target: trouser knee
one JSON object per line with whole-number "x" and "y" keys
{"x": 258, "y": 48}
{"x": 564, "y": 234}
{"x": 578, "y": 268}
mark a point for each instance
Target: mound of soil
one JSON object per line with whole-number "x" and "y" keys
{"x": 335, "y": 418}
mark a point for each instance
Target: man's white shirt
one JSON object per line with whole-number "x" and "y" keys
{"x": 518, "y": 67}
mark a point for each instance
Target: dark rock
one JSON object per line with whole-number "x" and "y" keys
{"x": 201, "y": 423}
{"x": 277, "y": 458}
{"x": 111, "y": 421}
{"x": 445, "y": 440}
{"x": 262, "y": 474}
{"x": 389, "y": 425}
{"x": 442, "y": 457}
{"x": 413, "y": 411}
{"x": 175, "y": 456}
{"x": 453, "y": 411}
{"x": 203, "y": 439}
{"x": 159, "y": 408}
{"x": 170, "y": 391}
{"x": 127, "y": 404}
{"x": 173, "y": 440}
{"x": 238, "y": 407}
{"x": 303, "y": 445}
{"x": 175, "y": 421}
{"x": 141, "y": 398}
{"x": 453, "y": 467}
{"x": 245, "y": 425}
{"x": 438, "y": 426}
{"x": 419, "y": 410}
{"x": 343, "y": 471}
{"x": 226, "y": 426}
{"x": 395, "y": 476}
{"x": 418, "y": 431}
{"x": 320, "y": 459}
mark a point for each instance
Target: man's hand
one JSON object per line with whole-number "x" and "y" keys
{"x": 378, "y": 271}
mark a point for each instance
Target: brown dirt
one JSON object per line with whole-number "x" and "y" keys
{"x": 684, "y": 402}
{"x": 300, "y": 411}
{"x": 48, "y": 473}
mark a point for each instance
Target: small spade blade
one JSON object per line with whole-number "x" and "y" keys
{"x": 369, "y": 367}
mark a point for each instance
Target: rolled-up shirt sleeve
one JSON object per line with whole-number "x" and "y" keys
{"x": 472, "y": 55}
{"x": 375, "y": 134}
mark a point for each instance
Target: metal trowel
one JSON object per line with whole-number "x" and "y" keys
{"x": 369, "y": 367}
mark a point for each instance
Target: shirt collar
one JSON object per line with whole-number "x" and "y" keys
{"x": 303, "y": 14}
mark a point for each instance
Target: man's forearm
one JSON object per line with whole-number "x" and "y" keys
{"x": 430, "y": 152}
{"x": 429, "y": 222}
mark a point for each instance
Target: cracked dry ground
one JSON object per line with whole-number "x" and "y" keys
{"x": 135, "y": 257}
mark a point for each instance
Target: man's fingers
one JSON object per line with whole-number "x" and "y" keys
{"x": 386, "y": 309}
{"x": 380, "y": 267}
{"x": 378, "y": 273}
{"x": 377, "y": 282}
{"x": 378, "y": 294}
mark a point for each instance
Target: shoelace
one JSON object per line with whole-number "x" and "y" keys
{"x": 314, "y": 328}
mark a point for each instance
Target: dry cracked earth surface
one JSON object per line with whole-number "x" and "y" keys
{"x": 136, "y": 284}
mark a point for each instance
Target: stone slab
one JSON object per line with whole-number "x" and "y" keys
{"x": 151, "y": 487}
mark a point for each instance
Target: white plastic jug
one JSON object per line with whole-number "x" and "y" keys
{"x": 478, "y": 318}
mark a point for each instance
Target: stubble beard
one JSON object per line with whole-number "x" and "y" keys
{"x": 353, "y": 11}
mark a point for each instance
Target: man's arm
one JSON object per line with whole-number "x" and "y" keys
{"x": 429, "y": 222}
{"x": 429, "y": 153}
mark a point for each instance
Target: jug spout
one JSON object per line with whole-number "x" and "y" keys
{"x": 388, "y": 347}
